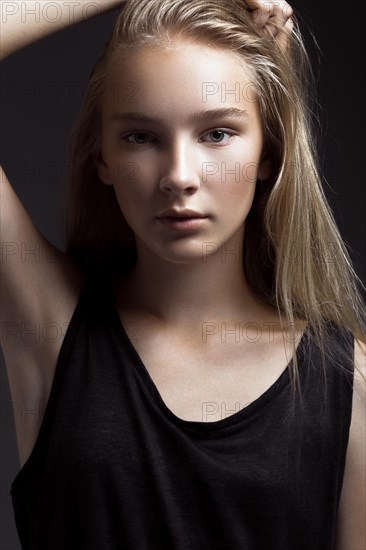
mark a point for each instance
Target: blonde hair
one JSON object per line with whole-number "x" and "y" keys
{"x": 289, "y": 216}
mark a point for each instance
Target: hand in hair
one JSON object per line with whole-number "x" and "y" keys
{"x": 274, "y": 16}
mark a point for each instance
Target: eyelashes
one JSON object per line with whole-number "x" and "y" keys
{"x": 127, "y": 137}
{"x": 141, "y": 135}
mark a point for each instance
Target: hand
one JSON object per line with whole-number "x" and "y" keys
{"x": 274, "y": 16}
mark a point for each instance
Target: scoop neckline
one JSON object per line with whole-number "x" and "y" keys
{"x": 194, "y": 426}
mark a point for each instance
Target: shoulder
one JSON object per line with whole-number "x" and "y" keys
{"x": 360, "y": 356}
{"x": 351, "y": 523}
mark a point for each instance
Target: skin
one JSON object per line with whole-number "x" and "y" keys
{"x": 169, "y": 165}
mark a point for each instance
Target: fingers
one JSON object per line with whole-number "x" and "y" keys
{"x": 284, "y": 34}
{"x": 271, "y": 15}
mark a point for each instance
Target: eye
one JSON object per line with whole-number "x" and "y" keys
{"x": 140, "y": 138}
{"x": 218, "y": 135}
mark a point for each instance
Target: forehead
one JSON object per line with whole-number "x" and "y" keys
{"x": 179, "y": 79}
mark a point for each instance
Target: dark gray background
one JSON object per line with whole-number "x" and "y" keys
{"x": 35, "y": 126}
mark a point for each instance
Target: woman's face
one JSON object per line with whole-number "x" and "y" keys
{"x": 181, "y": 130}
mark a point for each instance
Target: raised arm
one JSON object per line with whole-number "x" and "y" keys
{"x": 39, "y": 284}
{"x": 34, "y": 283}
{"x": 24, "y": 22}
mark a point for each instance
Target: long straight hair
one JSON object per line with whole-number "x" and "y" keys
{"x": 294, "y": 256}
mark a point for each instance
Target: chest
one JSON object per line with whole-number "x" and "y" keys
{"x": 207, "y": 380}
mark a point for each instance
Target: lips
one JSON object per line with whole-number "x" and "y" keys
{"x": 181, "y": 214}
{"x": 183, "y": 224}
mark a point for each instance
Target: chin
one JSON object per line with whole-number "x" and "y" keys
{"x": 181, "y": 253}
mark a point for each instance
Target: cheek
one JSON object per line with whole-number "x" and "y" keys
{"x": 134, "y": 187}
{"x": 135, "y": 172}
{"x": 234, "y": 197}
{"x": 235, "y": 184}
{"x": 129, "y": 203}
{"x": 236, "y": 179}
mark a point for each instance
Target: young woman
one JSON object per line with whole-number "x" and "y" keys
{"x": 209, "y": 391}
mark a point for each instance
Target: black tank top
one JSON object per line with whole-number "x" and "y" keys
{"x": 113, "y": 468}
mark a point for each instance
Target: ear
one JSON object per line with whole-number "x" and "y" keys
{"x": 103, "y": 171}
{"x": 265, "y": 168}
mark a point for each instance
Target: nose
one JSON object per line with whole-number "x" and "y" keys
{"x": 180, "y": 171}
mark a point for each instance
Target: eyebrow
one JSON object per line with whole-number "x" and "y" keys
{"x": 213, "y": 114}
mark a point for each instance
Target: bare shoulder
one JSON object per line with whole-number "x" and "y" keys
{"x": 351, "y": 523}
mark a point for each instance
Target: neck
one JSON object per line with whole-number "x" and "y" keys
{"x": 210, "y": 289}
